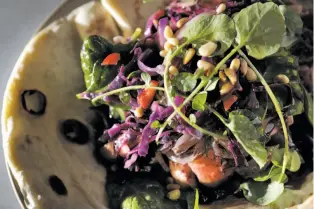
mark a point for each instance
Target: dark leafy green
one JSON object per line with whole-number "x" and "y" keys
{"x": 273, "y": 174}
{"x": 262, "y": 193}
{"x": 206, "y": 27}
{"x": 294, "y": 23}
{"x": 260, "y": 27}
{"x": 294, "y": 159}
{"x": 308, "y": 105}
{"x": 185, "y": 82}
{"x": 211, "y": 85}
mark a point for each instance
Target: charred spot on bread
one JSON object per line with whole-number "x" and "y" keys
{"x": 34, "y": 102}
{"x": 75, "y": 131}
{"x": 57, "y": 185}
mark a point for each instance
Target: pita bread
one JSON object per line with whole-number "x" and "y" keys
{"x": 52, "y": 172}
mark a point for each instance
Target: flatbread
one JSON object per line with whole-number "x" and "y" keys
{"x": 51, "y": 171}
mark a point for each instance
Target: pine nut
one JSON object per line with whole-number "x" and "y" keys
{"x": 235, "y": 64}
{"x": 226, "y": 88}
{"x": 120, "y": 39}
{"x": 281, "y": 78}
{"x": 202, "y": 64}
{"x": 173, "y": 41}
{"x": 171, "y": 187}
{"x": 170, "y": 180}
{"x": 251, "y": 75}
{"x": 207, "y": 49}
{"x": 221, "y": 8}
{"x": 139, "y": 112}
{"x": 188, "y": 55}
{"x": 168, "y": 33}
{"x": 168, "y": 46}
{"x": 232, "y": 75}
{"x": 222, "y": 76}
{"x": 173, "y": 70}
{"x": 174, "y": 195}
{"x": 243, "y": 67}
{"x": 182, "y": 22}
{"x": 163, "y": 53}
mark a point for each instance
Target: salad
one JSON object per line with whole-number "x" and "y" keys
{"x": 209, "y": 100}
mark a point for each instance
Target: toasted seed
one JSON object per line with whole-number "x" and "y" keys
{"x": 232, "y": 75}
{"x": 202, "y": 64}
{"x": 243, "y": 67}
{"x": 251, "y": 75}
{"x": 163, "y": 53}
{"x": 188, "y": 55}
{"x": 226, "y": 88}
{"x": 174, "y": 195}
{"x": 289, "y": 120}
{"x": 170, "y": 180}
{"x": 281, "y": 78}
{"x": 171, "y": 187}
{"x": 173, "y": 70}
{"x": 139, "y": 112}
{"x": 221, "y": 8}
{"x": 222, "y": 76}
{"x": 168, "y": 33}
{"x": 168, "y": 46}
{"x": 182, "y": 21}
{"x": 235, "y": 64}
{"x": 173, "y": 41}
{"x": 207, "y": 49}
{"x": 120, "y": 39}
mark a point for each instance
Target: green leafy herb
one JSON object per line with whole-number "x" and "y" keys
{"x": 94, "y": 50}
{"x": 260, "y": 28}
{"x": 273, "y": 174}
{"x": 294, "y": 23}
{"x": 246, "y": 134}
{"x": 133, "y": 74}
{"x": 146, "y": 78}
{"x": 294, "y": 159}
{"x": 211, "y": 85}
{"x": 308, "y": 105}
{"x": 206, "y": 27}
{"x": 198, "y": 103}
{"x": 185, "y": 82}
{"x": 124, "y": 97}
{"x": 262, "y": 193}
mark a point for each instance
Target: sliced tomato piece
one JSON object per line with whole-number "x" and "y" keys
{"x": 147, "y": 95}
{"x": 207, "y": 169}
{"x": 228, "y": 102}
{"x": 111, "y": 59}
{"x": 182, "y": 174}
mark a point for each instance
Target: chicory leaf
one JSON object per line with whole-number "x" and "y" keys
{"x": 260, "y": 27}
{"x": 185, "y": 82}
{"x": 198, "y": 103}
{"x": 262, "y": 193}
{"x": 248, "y": 136}
{"x": 205, "y": 27}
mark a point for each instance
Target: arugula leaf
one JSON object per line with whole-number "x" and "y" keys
{"x": 198, "y": 103}
{"x": 185, "y": 81}
{"x": 211, "y": 85}
{"x": 206, "y": 27}
{"x": 262, "y": 193}
{"x": 146, "y": 78}
{"x": 260, "y": 27}
{"x": 294, "y": 23}
{"x": 156, "y": 124}
{"x": 297, "y": 105}
{"x": 124, "y": 98}
{"x": 248, "y": 136}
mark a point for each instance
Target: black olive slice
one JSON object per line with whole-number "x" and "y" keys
{"x": 34, "y": 102}
{"x": 57, "y": 185}
{"x": 75, "y": 131}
